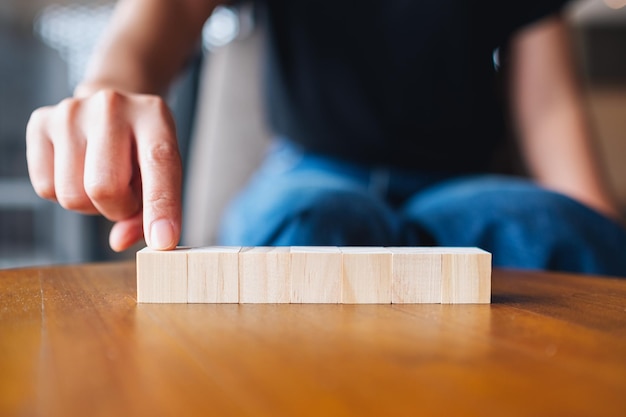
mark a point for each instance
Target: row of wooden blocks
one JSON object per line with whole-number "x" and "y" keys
{"x": 349, "y": 275}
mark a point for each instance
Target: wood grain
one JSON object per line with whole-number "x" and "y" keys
{"x": 366, "y": 275}
{"x": 264, "y": 274}
{"x": 162, "y": 276}
{"x": 213, "y": 274}
{"x": 316, "y": 273}
{"x": 465, "y": 276}
{"x": 309, "y": 274}
{"x": 416, "y": 275}
{"x": 74, "y": 342}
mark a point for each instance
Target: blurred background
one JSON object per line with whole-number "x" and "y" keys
{"x": 45, "y": 44}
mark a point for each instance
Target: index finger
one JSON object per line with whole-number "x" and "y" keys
{"x": 161, "y": 174}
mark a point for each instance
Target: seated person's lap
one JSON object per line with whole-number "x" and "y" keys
{"x": 302, "y": 199}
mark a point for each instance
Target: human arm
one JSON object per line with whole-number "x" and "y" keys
{"x": 112, "y": 148}
{"x": 548, "y": 108}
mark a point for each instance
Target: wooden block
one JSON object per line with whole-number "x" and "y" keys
{"x": 466, "y": 276}
{"x": 316, "y": 273}
{"x": 264, "y": 275}
{"x": 416, "y": 275}
{"x": 366, "y": 275}
{"x": 162, "y": 276}
{"x": 213, "y": 274}
{"x": 352, "y": 275}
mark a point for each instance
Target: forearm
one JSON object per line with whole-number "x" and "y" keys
{"x": 145, "y": 45}
{"x": 561, "y": 156}
{"x": 552, "y": 121}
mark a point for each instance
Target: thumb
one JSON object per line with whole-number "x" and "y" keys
{"x": 126, "y": 232}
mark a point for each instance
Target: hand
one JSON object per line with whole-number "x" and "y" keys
{"x": 115, "y": 154}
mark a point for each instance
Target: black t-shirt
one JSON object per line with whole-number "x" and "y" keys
{"x": 392, "y": 82}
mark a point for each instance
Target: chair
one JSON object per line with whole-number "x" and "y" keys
{"x": 229, "y": 136}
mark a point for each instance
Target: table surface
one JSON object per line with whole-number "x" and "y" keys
{"x": 73, "y": 342}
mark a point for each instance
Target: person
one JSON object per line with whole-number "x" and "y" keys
{"x": 386, "y": 115}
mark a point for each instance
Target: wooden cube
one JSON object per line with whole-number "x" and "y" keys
{"x": 316, "y": 273}
{"x": 213, "y": 274}
{"x": 162, "y": 276}
{"x": 366, "y": 275}
{"x": 416, "y": 275}
{"x": 466, "y": 276}
{"x": 264, "y": 275}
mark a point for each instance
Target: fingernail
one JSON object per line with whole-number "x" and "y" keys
{"x": 161, "y": 234}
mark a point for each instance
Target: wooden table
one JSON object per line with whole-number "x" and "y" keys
{"x": 73, "y": 342}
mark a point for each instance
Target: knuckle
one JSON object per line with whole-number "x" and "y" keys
{"x": 109, "y": 98}
{"x": 66, "y": 113}
{"x": 162, "y": 201}
{"x": 44, "y": 189}
{"x": 157, "y": 105}
{"x": 37, "y": 117}
{"x": 68, "y": 107}
{"x": 74, "y": 201}
{"x": 163, "y": 153}
{"x": 153, "y": 101}
{"x": 103, "y": 191}
{"x": 35, "y": 128}
{"x": 106, "y": 105}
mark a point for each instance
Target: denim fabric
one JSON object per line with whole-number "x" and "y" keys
{"x": 303, "y": 199}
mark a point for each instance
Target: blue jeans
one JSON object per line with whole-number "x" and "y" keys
{"x": 297, "y": 198}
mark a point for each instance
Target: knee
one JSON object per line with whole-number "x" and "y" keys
{"x": 485, "y": 209}
{"x": 521, "y": 224}
{"x": 496, "y": 213}
{"x": 341, "y": 218}
{"x": 314, "y": 216}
